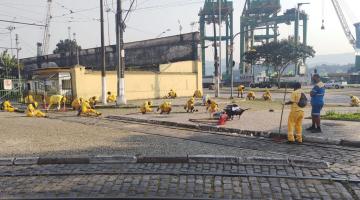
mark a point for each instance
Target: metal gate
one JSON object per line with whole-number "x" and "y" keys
{"x": 11, "y": 88}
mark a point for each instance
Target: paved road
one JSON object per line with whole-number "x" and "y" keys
{"x": 68, "y": 135}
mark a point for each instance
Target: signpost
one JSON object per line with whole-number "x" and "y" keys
{"x": 8, "y": 84}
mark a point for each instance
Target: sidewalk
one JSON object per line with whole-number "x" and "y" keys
{"x": 257, "y": 121}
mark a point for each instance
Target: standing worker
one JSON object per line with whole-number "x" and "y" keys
{"x": 317, "y": 102}
{"x": 296, "y": 115}
{"x": 240, "y": 90}
{"x": 32, "y": 111}
{"x": 57, "y": 100}
{"x": 355, "y": 101}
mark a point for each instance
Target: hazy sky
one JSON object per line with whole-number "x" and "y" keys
{"x": 152, "y": 17}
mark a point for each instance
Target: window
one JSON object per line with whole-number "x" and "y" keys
{"x": 66, "y": 84}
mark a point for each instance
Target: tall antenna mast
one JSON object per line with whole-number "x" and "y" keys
{"x": 46, "y": 37}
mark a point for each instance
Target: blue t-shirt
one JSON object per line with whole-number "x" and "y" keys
{"x": 317, "y": 94}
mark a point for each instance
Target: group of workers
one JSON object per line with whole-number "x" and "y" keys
{"x": 31, "y": 109}
{"x": 251, "y": 95}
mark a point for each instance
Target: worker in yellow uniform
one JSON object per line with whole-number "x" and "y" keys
{"x": 32, "y": 111}
{"x": 240, "y": 90}
{"x": 93, "y": 101}
{"x": 267, "y": 95}
{"x": 57, "y": 100}
{"x": 8, "y": 107}
{"x": 212, "y": 106}
{"x": 296, "y": 115}
{"x": 190, "y": 105}
{"x": 29, "y": 99}
{"x": 172, "y": 94}
{"x": 251, "y": 95}
{"x": 76, "y": 104}
{"x": 355, "y": 101}
{"x": 165, "y": 107}
{"x": 197, "y": 94}
{"x": 110, "y": 98}
{"x": 146, "y": 107}
{"x": 87, "y": 110}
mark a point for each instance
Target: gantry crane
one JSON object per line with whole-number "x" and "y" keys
{"x": 355, "y": 42}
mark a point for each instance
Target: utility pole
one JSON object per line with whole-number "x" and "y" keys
{"x": 11, "y": 28}
{"x": 218, "y": 78}
{"x": 18, "y": 64}
{"x": 77, "y": 49}
{"x": 103, "y": 69}
{"x": 216, "y": 63}
{"x": 120, "y": 55}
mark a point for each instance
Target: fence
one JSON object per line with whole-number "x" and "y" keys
{"x": 14, "y": 93}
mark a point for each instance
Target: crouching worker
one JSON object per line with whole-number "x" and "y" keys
{"x": 267, "y": 96}
{"x": 251, "y": 96}
{"x": 32, "y": 111}
{"x": 93, "y": 101}
{"x": 76, "y": 104}
{"x": 190, "y": 105}
{"x": 240, "y": 90}
{"x": 165, "y": 107}
{"x": 298, "y": 101}
{"x": 172, "y": 94}
{"x": 6, "y": 106}
{"x": 111, "y": 98}
{"x": 57, "y": 100}
{"x": 86, "y": 110}
{"x": 197, "y": 94}
{"x": 212, "y": 106}
{"x": 146, "y": 107}
{"x": 355, "y": 101}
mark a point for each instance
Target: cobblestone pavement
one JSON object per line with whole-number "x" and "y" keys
{"x": 202, "y": 181}
{"x": 218, "y": 181}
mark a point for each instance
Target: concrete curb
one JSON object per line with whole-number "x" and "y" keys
{"x": 201, "y": 159}
{"x": 234, "y": 131}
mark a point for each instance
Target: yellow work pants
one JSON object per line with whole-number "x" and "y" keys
{"x": 295, "y": 121}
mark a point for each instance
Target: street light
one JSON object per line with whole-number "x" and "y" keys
{"x": 297, "y": 32}
{"x": 167, "y": 30}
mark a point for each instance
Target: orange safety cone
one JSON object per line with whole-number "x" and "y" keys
{"x": 223, "y": 118}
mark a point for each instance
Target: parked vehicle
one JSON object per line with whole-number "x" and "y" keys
{"x": 261, "y": 85}
{"x": 335, "y": 84}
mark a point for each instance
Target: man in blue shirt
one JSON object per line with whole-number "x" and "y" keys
{"x": 317, "y": 102}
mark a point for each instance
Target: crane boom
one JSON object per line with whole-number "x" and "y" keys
{"x": 344, "y": 23}
{"x": 46, "y": 37}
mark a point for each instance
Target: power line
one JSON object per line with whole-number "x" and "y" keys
{"x": 16, "y": 22}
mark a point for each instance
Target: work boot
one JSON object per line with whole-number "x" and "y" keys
{"x": 316, "y": 130}
{"x": 310, "y": 128}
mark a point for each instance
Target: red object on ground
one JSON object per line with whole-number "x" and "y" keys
{"x": 223, "y": 118}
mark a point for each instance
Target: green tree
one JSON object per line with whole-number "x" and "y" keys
{"x": 64, "y": 46}
{"x": 279, "y": 55}
{"x": 7, "y": 63}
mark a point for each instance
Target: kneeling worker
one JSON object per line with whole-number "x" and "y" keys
{"x": 76, "y": 104}
{"x": 297, "y": 101}
{"x": 146, "y": 107}
{"x": 111, "y": 98}
{"x": 93, "y": 101}
{"x": 32, "y": 111}
{"x": 8, "y": 107}
{"x": 197, "y": 94}
{"x": 87, "y": 110}
{"x": 212, "y": 106}
{"x": 355, "y": 101}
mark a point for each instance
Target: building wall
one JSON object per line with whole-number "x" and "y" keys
{"x": 184, "y": 77}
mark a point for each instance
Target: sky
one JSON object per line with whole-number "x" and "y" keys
{"x": 152, "y": 17}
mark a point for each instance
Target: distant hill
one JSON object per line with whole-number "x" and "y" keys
{"x": 332, "y": 59}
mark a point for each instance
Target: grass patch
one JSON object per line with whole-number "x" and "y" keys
{"x": 332, "y": 115}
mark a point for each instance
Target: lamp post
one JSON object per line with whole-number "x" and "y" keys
{"x": 297, "y": 19}
{"x": 167, "y": 30}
